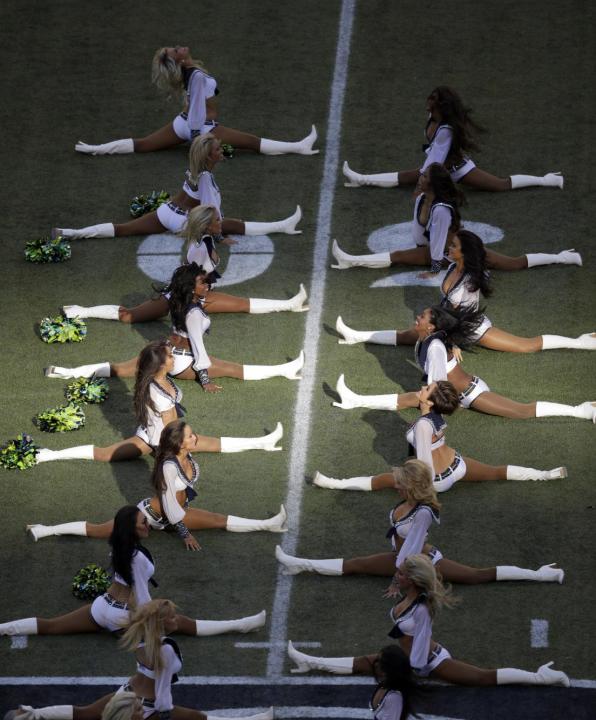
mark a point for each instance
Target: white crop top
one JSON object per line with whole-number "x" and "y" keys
{"x": 412, "y": 528}
{"x": 459, "y": 293}
{"x": 197, "y": 324}
{"x": 163, "y": 401}
{"x": 198, "y": 252}
{"x": 171, "y": 664}
{"x": 205, "y": 190}
{"x": 201, "y": 87}
{"x": 425, "y": 437}
{"x": 436, "y": 230}
{"x": 390, "y": 707}
{"x": 415, "y": 621}
{"x": 176, "y": 481}
{"x": 142, "y": 570}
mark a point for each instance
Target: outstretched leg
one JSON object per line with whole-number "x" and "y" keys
{"x": 382, "y": 564}
{"x": 493, "y": 404}
{"x": 463, "y": 574}
{"x": 129, "y": 449}
{"x": 78, "y": 621}
{"x": 415, "y": 256}
{"x": 161, "y": 139}
{"x": 497, "y": 261}
{"x": 145, "y": 225}
{"x": 477, "y": 471}
{"x": 496, "y": 339}
{"x": 460, "y": 673}
{"x": 481, "y": 180}
{"x": 237, "y": 138}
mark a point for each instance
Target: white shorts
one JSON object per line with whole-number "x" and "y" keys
{"x": 181, "y": 128}
{"x": 109, "y": 614}
{"x": 182, "y": 359}
{"x": 438, "y": 655}
{"x": 454, "y": 472}
{"x": 458, "y": 171}
{"x": 435, "y": 555}
{"x": 141, "y": 432}
{"x": 171, "y": 217}
{"x": 156, "y": 522}
{"x": 474, "y": 390}
{"x": 484, "y": 327}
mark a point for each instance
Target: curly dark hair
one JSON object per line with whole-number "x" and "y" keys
{"x": 475, "y": 265}
{"x": 445, "y": 190}
{"x": 457, "y": 326}
{"x": 454, "y": 113}
{"x": 151, "y": 360}
{"x": 170, "y": 442}
{"x": 181, "y": 290}
{"x": 124, "y": 542}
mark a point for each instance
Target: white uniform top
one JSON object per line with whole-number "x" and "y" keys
{"x": 436, "y": 230}
{"x": 171, "y": 664}
{"x": 460, "y": 293}
{"x": 198, "y": 252}
{"x": 390, "y": 707}
{"x": 142, "y": 570}
{"x": 200, "y": 88}
{"x": 197, "y": 324}
{"x": 163, "y": 402}
{"x": 175, "y": 481}
{"x": 412, "y": 529}
{"x": 437, "y": 366}
{"x": 205, "y": 190}
{"x": 424, "y": 436}
{"x": 439, "y": 147}
{"x": 415, "y": 622}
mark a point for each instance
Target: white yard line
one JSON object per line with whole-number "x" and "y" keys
{"x": 302, "y": 411}
{"x": 259, "y": 645}
{"x": 539, "y": 633}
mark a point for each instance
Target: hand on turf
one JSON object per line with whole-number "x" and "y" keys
{"x": 191, "y": 543}
{"x": 211, "y": 387}
{"x": 457, "y": 354}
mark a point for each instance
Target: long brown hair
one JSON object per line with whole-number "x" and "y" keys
{"x": 458, "y": 116}
{"x": 170, "y": 442}
{"x": 152, "y": 358}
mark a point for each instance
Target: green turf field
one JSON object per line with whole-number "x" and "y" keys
{"x": 81, "y": 70}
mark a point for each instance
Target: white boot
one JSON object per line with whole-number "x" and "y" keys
{"x": 116, "y": 147}
{"x": 266, "y": 442}
{"x": 543, "y": 676}
{"x": 26, "y": 626}
{"x": 304, "y": 662}
{"x": 294, "y": 565}
{"x": 546, "y": 573}
{"x": 260, "y": 306}
{"x": 242, "y": 625}
{"x": 587, "y": 341}
{"x": 585, "y": 411}
{"x": 278, "y": 523}
{"x": 52, "y": 712}
{"x": 103, "y": 312}
{"x": 345, "y": 261}
{"x": 353, "y": 337}
{"x": 267, "y": 715}
{"x": 350, "y": 400}
{"x": 385, "y": 180}
{"x": 565, "y": 257}
{"x": 302, "y": 147}
{"x": 355, "y": 483}
{"x": 87, "y": 371}
{"x": 72, "y": 528}
{"x": 515, "y": 472}
{"x": 290, "y": 370}
{"x": 548, "y": 180}
{"x": 103, "y": 230}
{"x": 287, "y": 226}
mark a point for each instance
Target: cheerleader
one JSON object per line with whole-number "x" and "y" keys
{"x": 178, "y": 75}
{"x": 396, "y": 690}
{"x": 159, "y": 661}
{"x": 175, "y": 474}
{"x": 190, "y": 322}
{"x": 449, "y": 137}
{"x": 133, "y": 568}
{"x": 157, "y": 402}
{"x": 410, "y": 521}
{"x": 423, "y": 595}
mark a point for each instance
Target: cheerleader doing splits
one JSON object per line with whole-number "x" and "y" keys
{"x": 157, "y": 402}
{"x": 177, "y": 74}
{"x": 427, "y": 436}
{"x": 174, "y": 476}
{"x": 190, "y": 322}
{"x": 436, "y": 221}
{"x": 423, "y": 596}
{"x": 133, "y": 568}
{"x": 195, "y": 191}
{"x": 438, "y": 331}
{"x": 200, "y": 231}
{"x": 396, "y": 690}
{"x": 449, "y": 136}
{"x": 410, "y": 521}
{"x": 159, "y": 661}
{"x": 466, "y": 279}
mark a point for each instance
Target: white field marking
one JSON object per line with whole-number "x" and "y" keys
{"x": 268, "y": 644}
{"x": 399, "y": 237}
{"x": 159, "y": 255}
{"x": 310, "y": 711}
{"x": 302, "y": 409}
{"x": 539, "y": 633}
{"x": 18, "y": 642}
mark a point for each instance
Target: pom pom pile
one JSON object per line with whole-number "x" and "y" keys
{"x": 46, "y": 250}
{"x": 19, "y": 454}
{"x": 61, "y": 329}
{"x": 86, "y": 390}
{"x": 60, "y": 419}
{"x": 90, "y": 582}
{"x": 143, "y": 204}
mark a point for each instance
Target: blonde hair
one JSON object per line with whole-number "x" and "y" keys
{"x": 417, "y": 480}
{"x": 197, "y": 222}
{"x": 167, "y": 74}
{"x": 422, "y": 573}
{"x": 198, "y": 155}
{"x": 121, "y": 706}
{"x": 147, "y": 626}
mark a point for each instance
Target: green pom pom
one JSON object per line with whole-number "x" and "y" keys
{"x": 143, "y": 204}
{"x": 87, "y": 390}
{"x": 46, "y": 250}
{"x": 90, "y": 582}
{"x": 227, "y": 149}
{"x": 60, "y": 419}
{"x": 61, "y": 329}
{"x": 19, "y": 454}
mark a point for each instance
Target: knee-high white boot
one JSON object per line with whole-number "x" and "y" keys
{"x": 295, "y": 565}
{"x": 278, "y": 523}
{"x": 25, "y": 626}
{"x": 301, "y": 147}
{"x": 290, "y": 370}
{"x": 98, "y": 369}
{"x": 52, "y": 712}
{"x": 346, "y": 261}
{"x": 584, "y": 411}
{"x": 79, "y": 452}
{"x": 267, "y": 715}
{"x": 545, "y": 675}
{"x": 241, "y": 625}
{"x": 565, "y": 257}
{"x": 354, "y": 483}
{"x": 103, "y": 230}
{"x": 116, "y": 147}
{"x": 265, "y": 442}
{"x": 587, "y": 341}
{"x": 260, "y": 306}
{"x": 548, "y": 180}
{"x": 103, "y": 312}
{"x": 304, "y": 662}
{"x": 287, "y": 225}
{"x": 546, "y": 573}
{"x": 78, "y": 527}
{"x": 350, "y": 400}
{"x": 515, "y": 472}
{"x": 353, "y": 337}
{"x": 385, "y": 180}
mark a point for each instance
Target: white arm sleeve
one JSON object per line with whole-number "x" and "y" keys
{"x": 423, "y": 437}
{"x": 208, "y": 193}
{"x": 440, "y": 223}
{"x": 436, "y": 362}
{"x": 160, "y": 401}
{"x": 142, "y": 570}
{"x": 417, "y": 229}
{"x": 440, "y": 147}
{"x": 170, "y": 504}
{"x": 197, "y": 110}
{"x": 195, "y": 327}
{"x": 416, "y": 536}
{"x": 163, "y": 679}
{"x": 391, "y": 707}
{"x": 422, "y": 637}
